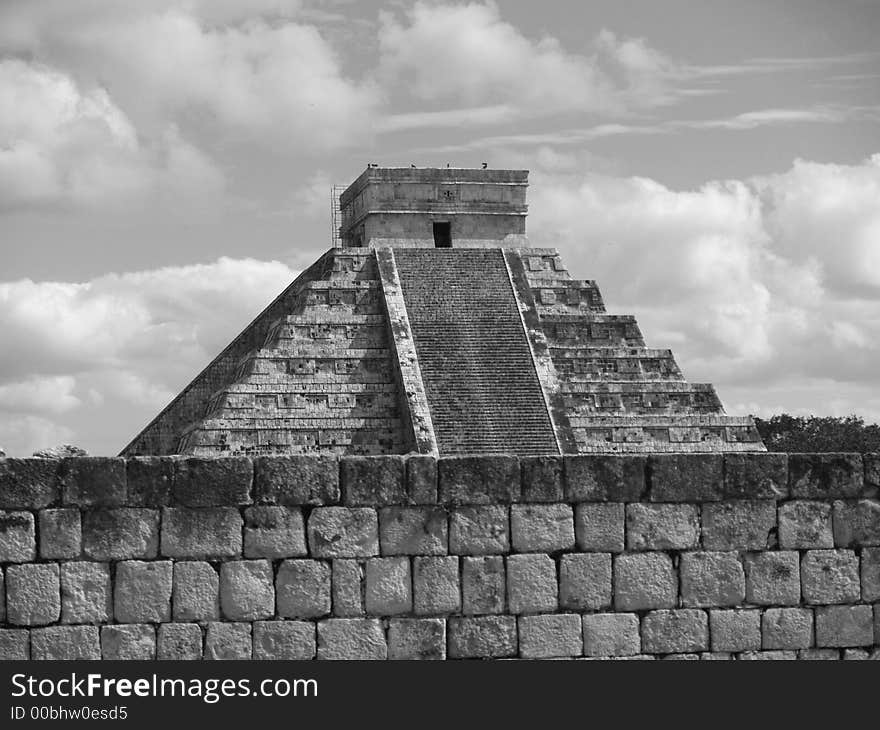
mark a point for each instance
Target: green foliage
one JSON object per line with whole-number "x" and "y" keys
{"x": 818, "y": 434}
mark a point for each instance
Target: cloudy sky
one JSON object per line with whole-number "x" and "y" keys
{"x": 165, "y": 169}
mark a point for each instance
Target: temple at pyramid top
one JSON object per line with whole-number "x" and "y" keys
{"x": 436, "y": 328}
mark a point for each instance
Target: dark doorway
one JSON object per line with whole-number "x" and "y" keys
{"x": 442, "y": 234}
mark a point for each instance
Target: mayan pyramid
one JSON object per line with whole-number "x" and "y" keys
{"x": 435, "y": 328}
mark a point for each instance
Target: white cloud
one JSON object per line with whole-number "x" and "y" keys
{"x": 40, "y": 394}
{"x": 22, "y": 435}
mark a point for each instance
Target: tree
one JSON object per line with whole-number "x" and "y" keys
{"x": 818, "y": 434}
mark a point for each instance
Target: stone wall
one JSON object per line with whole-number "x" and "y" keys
{"x": 753, "y": 556}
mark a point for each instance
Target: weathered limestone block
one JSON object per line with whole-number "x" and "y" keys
{"x": 599, "y": 526}
{"x": 755, "y": 476}
{"x": 15, "y": 644}
{"x": 710, "y": 579}
{"x": 436, "y": 586}
{"x": 680, "y": 630}
{"x": 17, "y": 540}
{"x": 417, "y": 638}
{"x": 556, "y": 635}
{"x": 479, "y": 530}
{"x": 644, "y": 581}
{"x": 662, "y": 526}
{"x": 303, "y": 588}
{"x": 66, "y": 643}
{"x": 421, "y": 479}
{"x": 483, "y": 585}
{"x": 531, "y": 584}
{"x": 830, "y": 576}
{"x": 60, "y": 533}
{"x": 351, "y": 638}
{"x": 611, "y": 634}
{"x": 739, "y": 525}
{"x": 274, "y": 532}
{"x": 686, "y": 477}
{"x": 735, "y": 629}
{"x": 179, "y": 642}
{"x": 373, "y": 481}
{"x": 142, "y": 591}
{"x": 768, "y": 656}
{"x": 870, "y": 575}
{"x": 343, "y": 532}
{"x": 196, "y": 592}
{"x": 479, "y": 479}
{"x": 33, "y": 594}
{"x": 825, "y": 476}
{"x": 209, "y": 532}
{"x": 228, "y": 641}
{"x": 542, "y": 478}
{"x": 296, "y": 480}
{"x": 480, "y": 637}
{"x": 287, "y": 640}
{"x": 246, "y": 590}
{"x": 585, "y": 581}
{"x": 93, "y": 481}
{"x": 541, "y": 528}
{"x": 388, "y": 587}
{"x": 149, "y": 481}
{"x": 347, "y": 588}
{"x": 857, "y": 523}
{"x": 805, "y": 525}
{"x": 819, "y": 654}
{"x": 29, "y": 483}
{"x": 787, "y": 628}
{"x": 773, "y": 578}
{"x": 601, "y": 478}
{"x": 716, "y": 656}
{"x": 86, "y": 593}
{"x": 413, "y": 531}
{"x": 121, "y": 534}
{"x": 128, "y": 641}
{"x": 844, "y": 626}
{"x": 212, "y": 482}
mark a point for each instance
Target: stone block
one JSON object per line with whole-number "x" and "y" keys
{"x": 662, "y": 526}
{"x": 531, "y": 584}
{"x": 770, "y": 656}
{"x": 825, "y": 476}
{"x": 599, "y": 526}
{"x": 421, "y": 479}
{"x": 482, "y": 637}
{"x": 33, "y": 594}
{"x": 388, "y": 587}
{"x": 805, "y": 525}
{"x": 479, "y": 530}
{"x": 611, "y": 634}
{"x": 274, "y": 532}
{"x": 17, "y": 538}
{"x": 680, "y": 630}
{"x": 196, "y": 592}
{"x": 284, "y": 640}
{"x": 541, "y": 527}
{"x": 644, "y": 581}
{"x": 65, "y": 643}
{"x": 843, "y": 626}
{"x": 685, "y": 477}
{"x": 128, "y": 642}
{"x": 142, "y": 591}
{"x": 209, "y": 532}
{"x": 413, "y": 531}
{"x": 347, "y": 588}
{"x": 436, "y": 586}
{"x": 557, "y": 635}
{"x": 787, "y": 628}
{"x": 773, "y": 578}
{"x": 479, "y": 479}
{"x": 15, "y": 644}
{"x": 830, "y": 576}
{"x": 351, "y": 638}
{"x": 2, "y": 597}
{"x": 246, "y": 590}
{"x": 212, "y": 481}
{"x": 819, "y": 654}
{"x": 857, "y": 523}
{"x": 755, "y": 476}
{"x": 149, "y": 481}
{"x": 86, "y": 593}
{"x": 716, "y": 656}
{"x": 585, "y": 581}
{"x": 228, "y": 641}
{"x": 60, "y": 533}
{"x": 296, "y": 480}
{"x": 710, "y": 579}
{"x": 93, "y": 481}
{"x": 735, "y": 629}
{"x": 604, "y": 478}
{"x": 483, "y": 585}
{"x": 121, "y": 534}
{"x": 29, "y": 483}
{"x": 542, "y": 478}
{"x": 739, "y": 525}
{"x": 417, "y": 638}
{"x": 373, "y": 481}
{"x": 179, "y": 641}
{"x": 343, "y": 532}
{"x": 303, "y": 588}
{"x": 870, "y": 575}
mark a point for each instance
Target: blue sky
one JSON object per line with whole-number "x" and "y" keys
{"x": 165, "y": 168}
